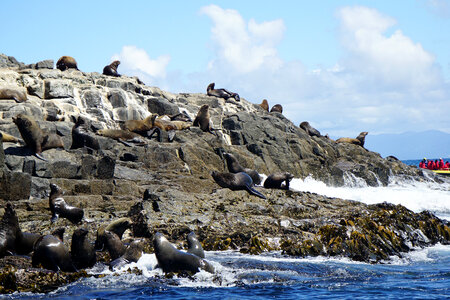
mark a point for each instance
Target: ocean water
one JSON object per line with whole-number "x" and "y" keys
{"x": 420, "y": 274}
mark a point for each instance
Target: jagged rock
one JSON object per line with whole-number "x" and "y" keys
{"x": 58, "y": 88}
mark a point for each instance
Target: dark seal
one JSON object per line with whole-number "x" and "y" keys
{"x": 66, "y": 62}
{"x": 9, "y": 231}
{"x": 114, "y": 245}
{"x": 52, "y": 254}
{"x": 82, "y": 137}
{"x": 170, "y": 259}
{"x": 82, "y": 251}
{"x": 275, "y": 180}
{"x": 194, "y": 245}
{"x": 277, "y": 108}
{"x": 202, "y": 119}
{"x": 60, "y": 208}
{"x": 111, "y": 69}
{"x": 235, "y": 167}
{"x": 236, "y": 182}
{"x": 221, "y": 93}
{"x": 132, "y": 254}
{"x": 311, "y": 131}
{"x": 117, "y": 226}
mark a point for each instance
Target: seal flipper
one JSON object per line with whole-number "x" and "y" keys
{"x": 38, "y": 155}
{"x": 171, "y": 134}
{"x": 54, "y": 218}
{"x": 255, "y": 192}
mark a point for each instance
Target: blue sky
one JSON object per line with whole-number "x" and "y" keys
{"x": 344, "y": 66}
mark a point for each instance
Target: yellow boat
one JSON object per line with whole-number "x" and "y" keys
{"x": 442, "y": 172}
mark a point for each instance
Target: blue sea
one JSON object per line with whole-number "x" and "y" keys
{"x": 420, "y": 274}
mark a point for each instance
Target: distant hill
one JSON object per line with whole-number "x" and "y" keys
{"x": 411, "y": 145}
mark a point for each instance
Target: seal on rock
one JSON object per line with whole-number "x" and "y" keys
{"x": 59, "y": 207}
{"x": 7, "y": 138}
{"x": 311, "y": 131}
{"x": 114, "y": 245}
{"x": 111, "y": 69}
{"x": 66, "y": 62}
{"x": 81, "y": 137}
{"x": 265, "y": 105}
{"x": 81, "y": 250}
{"x": 13, "y": 92}
{"x": 117, "y": 226}
{"x": 221, "y": 93}
{"x": 132, "y": 254}
{"x": 203, "y": 119}
{"x": 236, "y": 182}
{"x": 36, "y": 138}
{"x": 194, "y": 245}
{"x": 235, "y": 167}
{"x": 25, "y": 242}
{"x": 170, "y": 259}
{"x": 124, "y": 136}
{"x": 52, "y": 254}
{"x": 9, "y": 231}
{"x": 275, "y": 180}
{"x": 277, "y": 108}
{"x": 360, "y": 139}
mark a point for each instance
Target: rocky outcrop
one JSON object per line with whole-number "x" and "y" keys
{"x": 167, "y": 187}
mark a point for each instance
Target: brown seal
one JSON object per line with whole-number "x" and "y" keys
{"x": 36, "y": 138}
{"x": 311, "y": 131}
{"x": 277, "y": 108}
{"x": 203, "y": 119}
{"x": 132, "y": 254}
{"x": 60, "y": 208}
{"x": 111, "y": 69}
{"x": 25, "y": 242}
{"x": 124, "y": 136}
{"x": 9, "y": 231}
{"x": 275, "y": 180}
{"x": 114, "y": 245}
{"x": 236, "y": 182}
{"x": 66, "y": 62}
{"x": 265, "y": 105}
{"x": 81, "y": 250}
{"x": 221, "y": 93}
{"x": 140, "y": 126}
{"x": 235, "y": 167}
{"x": 117, "y": 226}
{"x": 52, "y": 254}
{"x": 360, "y": 139}
{"x": 13, "y": 92}
{"x": 7, "y": 138}
{"x": 81, "y": 137}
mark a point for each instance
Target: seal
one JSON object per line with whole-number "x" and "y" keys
{"x": 194, "y": 245}
{"x": 235, "y": 167}
{"x": 124, "y": 136}
{"x": 59, "y": 207}
{"x": 132, "y": 254}
{"x": 59, "y": 233}
{"x": 52, "y": 254}
{"x": 36, "y": 138}
{"x": 9, "y": 231}
{"x": 111, "y": 69}
{"x": 7, "y": 138}
{"x": 311, "y": 131}
{"x": 66, "y": 62}
{"x": 221, "y": 93}
{"x": 274, "y": 181}
{"x": 277, "y": 108}
{"x": 117, "y": 226}
{"x": 25, "y": 242}
{"x": 182, "y": 116}
{"x": 202, "y": 119}
{"x": 170, "y": 259}
{"x": 265, "y": 105}
{"x": 140, "y": 126}
{"x": 114, "y": 245}
{"x": 81, "y": 137}
{"x": 81, "y": 250}
{"x": 236, "y": 182}
{"x": 360, "y": 139}
{"x": 13, "y": 92}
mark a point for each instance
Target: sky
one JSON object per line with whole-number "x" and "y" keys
{"x": 343, "y": 66}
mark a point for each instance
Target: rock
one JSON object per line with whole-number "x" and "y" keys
{"x": 58, "y": 88}
{"x": 162, "y": 106}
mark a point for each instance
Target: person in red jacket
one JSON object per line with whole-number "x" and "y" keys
{"x": 441, "y": 164}
{"x": 430, "y": 165}
{"x": 422, "y": 164}
{"x": 447, "y": 166}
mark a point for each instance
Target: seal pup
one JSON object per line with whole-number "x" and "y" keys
{"x": 13, "y": 92}
{"x": 117, "y": 226}
{"x": 235, "y": 167}
{"x": 275, "y": 180}
{"x": 194, "y": 245}
{"x": 132, "y": 254}
{"x": 9, "y": 231}
{"x": 236, "y": 182}
{"x": 202, "y": 119}
{"x": 360, "y": 139}
{"x": 170, "y": 259}
{"x": 52, "y": 254}
{"x": 111, "y": 69}
{"x": 59, "y": 207}
{"x": 66, "y": 62}
{"x": 34, "y": 137}
{"x": 114, "y": 245}
{"x": 311, "y": 131}
{"x": 221, "y": 93}
{"x": 265, "y": 105}
{"x": 124, "y": 136}
{"x": 81, "y": 250}
{"x": 81, "y": 137}
{"x": 277, "y": 108}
